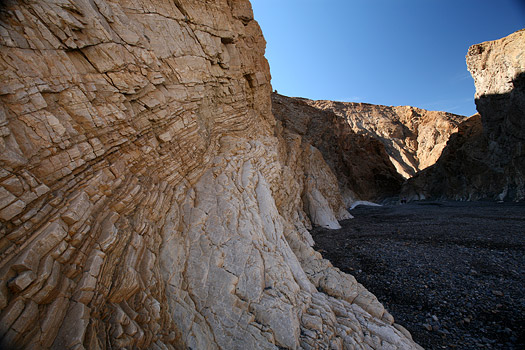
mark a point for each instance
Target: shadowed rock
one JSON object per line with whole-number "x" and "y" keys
{"x": 486, "y": 158}
{"x": 362, "y": 166}
{"x": 413, "y": 137}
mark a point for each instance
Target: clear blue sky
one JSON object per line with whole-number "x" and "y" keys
{"x": 390, "y": 52}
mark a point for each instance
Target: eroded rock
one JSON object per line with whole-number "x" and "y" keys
{"x": 413, "y": 137}
{"x": 484, "y": 160}
{"x": 363, "y": 168}
{"x": 150, "y": 200}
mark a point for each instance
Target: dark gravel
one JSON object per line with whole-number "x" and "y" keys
{"x": 452, "y": 273}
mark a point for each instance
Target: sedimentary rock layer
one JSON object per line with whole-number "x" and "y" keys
{"x": 149, "y": 199}
{"x": 498, "y": 69}
{"x": 486, "y": 158}
{"x": 413, "y": 138}
{"x": 363, "y": 168}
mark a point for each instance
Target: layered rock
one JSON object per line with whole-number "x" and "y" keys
{"x": 498, "y": 69}
{"x": 486, "y": 158}
{"x": 363, "y": 168}
{"x": 413, "y": 138}
{"x": 148, "y": 197}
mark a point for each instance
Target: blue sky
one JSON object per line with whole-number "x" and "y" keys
{"x": 390, "y": 52}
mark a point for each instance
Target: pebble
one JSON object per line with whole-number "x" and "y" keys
{"x": 465, "y": 298}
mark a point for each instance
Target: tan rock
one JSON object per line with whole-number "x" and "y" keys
{"x": 14, "y": 186}
{"x": 9, "y": 316}
{"x": 413, "y": 138}
{"x": 149, "y": 199}
{"x": 12, "y": 210}
{"x": 22, "y": 281}
{"x": 50, "y": 323}
{"x": 78, "y": 207}
{"x": 363, "y": 168}
{"x": 6, "y": 197}
{"x": 46, "y": 239}
{"x": 484, "y": 160}
{"x": 73, "y": 328}
{"x": 27, "y": 319}
{"x": 50, "y": 286}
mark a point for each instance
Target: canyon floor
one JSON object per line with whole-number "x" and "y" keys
{"x": 452, "y": 273}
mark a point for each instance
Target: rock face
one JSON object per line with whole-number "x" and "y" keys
{"x": 413, "y": 138}
{"x": 362, "y": 166}
{"x": 486, "y": 158}
{"x": 149, "y": 199}
{"x": 498, "y": 68}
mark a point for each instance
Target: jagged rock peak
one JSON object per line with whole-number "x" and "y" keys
{"x": 496, "y": 64}
{"x": 498, "y": 69}
{"x": 148, "y": 197}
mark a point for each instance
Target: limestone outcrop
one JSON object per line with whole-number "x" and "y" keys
{"x": 148, "y": 197}
{"x": 363, "y": 168}
{"x": 486, "y": 159}
{"x": 413, "y": 137}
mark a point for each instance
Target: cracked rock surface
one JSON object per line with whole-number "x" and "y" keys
{"x": 413, "y": 137}
{"x": 363, "y": 167}
{"x": 148, "y": 197}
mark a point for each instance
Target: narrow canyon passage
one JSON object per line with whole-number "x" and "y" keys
{"x": 450, "y": 272}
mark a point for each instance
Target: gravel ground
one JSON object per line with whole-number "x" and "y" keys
{"x": 452, "y": 273}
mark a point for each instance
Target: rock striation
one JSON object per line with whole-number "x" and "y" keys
{"x": 485, "y": 159}
{"x": 363, "y": 168}
{"x": 148, "y": 197}
{"x": 413, "y": 138}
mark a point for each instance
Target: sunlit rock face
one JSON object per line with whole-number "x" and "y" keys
{"x": 498, "y": 69}
{"x": 486, "y": 158}
{"x": 149, "y": 199}
{"x": 363, "y": 168}
{"x": 413, "y": 138}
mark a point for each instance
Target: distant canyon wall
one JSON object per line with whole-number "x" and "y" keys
{"x": 360, "y": 162}
{"x": 486, "y": 159}
{"x": 413, "y": 137}
{"x": 148, "y": 197}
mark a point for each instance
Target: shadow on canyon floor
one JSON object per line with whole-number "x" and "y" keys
{"x": 452, "y": 273}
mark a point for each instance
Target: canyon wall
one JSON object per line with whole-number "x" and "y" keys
{"x": 363, "y": 168}
{"x": 413, "y": 137}
{"x": 148, "y": 197}
{"x": 486, "y": 158}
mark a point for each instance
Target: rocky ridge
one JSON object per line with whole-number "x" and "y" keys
{"x": 363, "y": 168}
{"x": 485, "y": 160}
{"x": 143, "y": 201}
{"x": 413, "y": 137}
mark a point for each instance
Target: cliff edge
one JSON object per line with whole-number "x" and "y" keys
{"x": 485, "y": 159}
{"x": 362, "y": 166}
